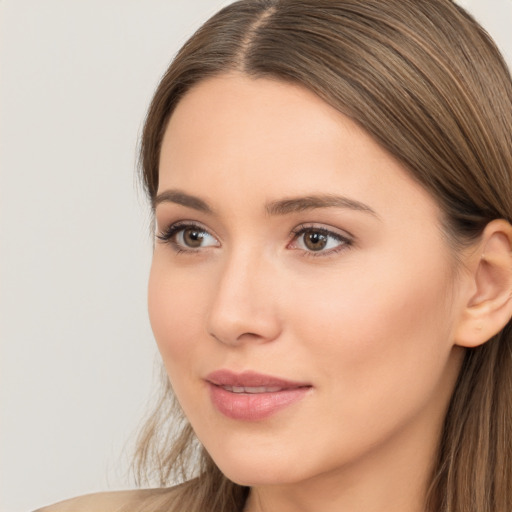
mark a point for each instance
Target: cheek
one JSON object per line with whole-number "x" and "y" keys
{"x": 175, "y": 307}
{"x": 378, "y": 334}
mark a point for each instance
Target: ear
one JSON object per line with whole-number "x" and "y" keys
{"x": 488, "y": 303}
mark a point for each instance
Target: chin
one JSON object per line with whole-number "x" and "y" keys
{"x": 251, "y": 473}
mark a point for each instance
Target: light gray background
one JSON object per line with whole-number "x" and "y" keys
{"x": 77, "y": 355}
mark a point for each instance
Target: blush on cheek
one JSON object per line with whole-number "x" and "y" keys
{"x": 162, "y": 314}
{"x": 378, "y": 329}
{"x": 176, "y": 329}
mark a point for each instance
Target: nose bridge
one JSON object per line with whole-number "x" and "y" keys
{"x": 242, "y": 307}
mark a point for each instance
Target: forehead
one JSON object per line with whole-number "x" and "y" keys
{"x": 262, "y": 139}
{"x": 225, "y": 113}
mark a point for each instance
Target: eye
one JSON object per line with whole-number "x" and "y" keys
{"x": 318, "y": 240}
{"x": 187, "y": 237}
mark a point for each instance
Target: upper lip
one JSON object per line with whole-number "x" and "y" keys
{"x": 251, "y": 379}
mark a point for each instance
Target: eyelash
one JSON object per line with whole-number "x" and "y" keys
{"x": 168, "y": 235}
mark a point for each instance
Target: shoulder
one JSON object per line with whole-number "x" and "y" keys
{"x": 117, "y": 501}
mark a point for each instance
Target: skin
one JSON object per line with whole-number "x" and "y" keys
{"x": 368, "y": 322}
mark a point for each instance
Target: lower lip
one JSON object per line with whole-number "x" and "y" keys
{"x": 254, "y": 406}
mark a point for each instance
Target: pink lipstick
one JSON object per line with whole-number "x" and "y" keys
{"x": 251, "y": 396}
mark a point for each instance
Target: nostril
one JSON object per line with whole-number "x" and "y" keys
{"x": 237, "y": 339}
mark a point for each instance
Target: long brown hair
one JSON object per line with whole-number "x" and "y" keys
{"x": 427, "y": 82}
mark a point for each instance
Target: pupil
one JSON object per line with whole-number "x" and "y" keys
{"x": 315, "y": 241}
{"x": 193, "y": 237}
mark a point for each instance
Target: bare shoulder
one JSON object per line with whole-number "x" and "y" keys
{"x": 117, "y": 501}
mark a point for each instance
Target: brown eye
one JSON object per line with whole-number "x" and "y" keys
{"x": 188, "y": 237}
{"x": 319, "y": 241}
{"x": 193, "y": 237}
{"x": 315, "y": 240}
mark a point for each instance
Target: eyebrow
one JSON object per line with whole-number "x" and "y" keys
{"x": 281, "y": 207}
{"x": 300, "y": 204}
{"x": 178, "y": 197}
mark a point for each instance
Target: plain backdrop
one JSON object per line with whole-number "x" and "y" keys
{"x": 77, "y": 356}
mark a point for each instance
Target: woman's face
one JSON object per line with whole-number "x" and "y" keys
{"x": 302, "y": 295}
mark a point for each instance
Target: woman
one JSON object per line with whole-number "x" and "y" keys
{"x": 331, "y": 288}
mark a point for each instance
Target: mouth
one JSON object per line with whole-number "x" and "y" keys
{"x": 252, "y": 390}
{"x": 251, "y": 396}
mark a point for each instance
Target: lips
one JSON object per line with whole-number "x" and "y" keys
{"x": 251, "y": 396}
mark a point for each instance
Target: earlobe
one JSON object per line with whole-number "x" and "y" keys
{"x": 488, "y": 307}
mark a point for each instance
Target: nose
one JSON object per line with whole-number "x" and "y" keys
{"x": 244, "y": 306}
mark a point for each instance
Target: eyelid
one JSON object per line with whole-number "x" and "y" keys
{"x": 340, "y": 233}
